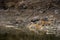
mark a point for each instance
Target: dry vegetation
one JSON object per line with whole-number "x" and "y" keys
{"x": 17, "y": 14}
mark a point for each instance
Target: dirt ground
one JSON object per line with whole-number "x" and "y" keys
{"x": 22, "y": 17}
